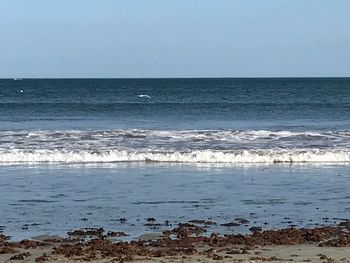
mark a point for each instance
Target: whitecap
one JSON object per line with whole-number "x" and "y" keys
{"x": 144, "y": 96}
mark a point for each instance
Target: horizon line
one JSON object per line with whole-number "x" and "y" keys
{"x": 284, "y": 77}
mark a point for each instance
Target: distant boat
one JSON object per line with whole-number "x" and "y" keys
{"x": 17, "y": 79}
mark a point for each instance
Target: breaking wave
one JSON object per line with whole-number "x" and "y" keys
{"x": 189, "y": 146}
{"x": 203, "y": 156}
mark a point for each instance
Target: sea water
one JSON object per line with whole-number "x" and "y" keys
{"x": 87, "y": 152}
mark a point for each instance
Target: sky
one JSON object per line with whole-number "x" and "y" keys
{"x": 174, "y": 38}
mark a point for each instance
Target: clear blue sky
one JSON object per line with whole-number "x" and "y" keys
{"x": 174, "y": 38}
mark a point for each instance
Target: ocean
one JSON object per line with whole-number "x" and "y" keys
{"x": 88, "y": 152}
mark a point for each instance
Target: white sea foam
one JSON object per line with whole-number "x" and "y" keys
{"x": 205, "y": 156}
{"x": 186, "y": 146}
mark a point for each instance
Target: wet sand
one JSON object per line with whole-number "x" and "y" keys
{"x": 278, "y": 254}
{"x": 186, "y": 243}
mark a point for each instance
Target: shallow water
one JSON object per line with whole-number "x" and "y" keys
{"x": 60, "y": 198}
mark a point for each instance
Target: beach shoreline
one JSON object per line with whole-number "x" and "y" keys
{"x": 261, "y": 163}
{"x": 186, "y": 243}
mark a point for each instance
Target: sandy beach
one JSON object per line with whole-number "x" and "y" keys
{"x": 293, "y": 253}
{"x": 185, "y": 243}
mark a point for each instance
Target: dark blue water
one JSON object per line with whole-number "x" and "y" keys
{"x": 288, "y": 104}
